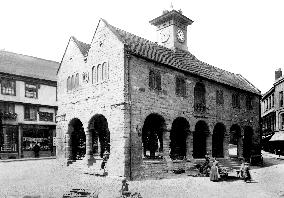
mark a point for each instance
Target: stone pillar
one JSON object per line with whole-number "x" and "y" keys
{"x": 89, "y": 158}
{"x": 209, "y": 143}
{"x": 226, "y": 146}
{"x": 166, "y": 148}
{"x": 189, "y": 145}
{"x": 20, "y": 138}
{"x": 240, "y": 147}
{"x": 68, "y": 148}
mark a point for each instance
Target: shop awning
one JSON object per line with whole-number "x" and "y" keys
{"x": 278, "y": 136}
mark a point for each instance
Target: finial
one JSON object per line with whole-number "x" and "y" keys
{"x": 171, "y": 7}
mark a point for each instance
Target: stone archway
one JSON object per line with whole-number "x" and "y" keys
{"x": 77, "y": 143}
{"x": 178, "y": 135}
{"x": 98, "y": 127}
{"x": 199, "y": 139}
{"x": 247, "y": 142}
{"x": 218, "y": 140}
{"x": 152, "y": 135}
{"x": 235, "y": 141}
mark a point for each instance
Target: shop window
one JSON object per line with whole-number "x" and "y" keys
{"x": 9, "y": 139}
{"x": 180, "y": 87}
{"x": 219, "y": 97}
{"x": 281, "y": 99}
{"x": 30, "y": 113}
{"x": 31, "y": 90}
{"x": 155, "y": 80}
{"x": 8, "y": 87}
{"x": 236, "y": 100}
{"x": 249, "y": 101}
{"x": 45, "y": 116}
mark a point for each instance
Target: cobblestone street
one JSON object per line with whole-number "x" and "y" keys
{"x": 46, "y": 178}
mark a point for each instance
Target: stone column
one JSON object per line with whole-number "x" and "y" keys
{"x": 209, "y": 143}
{"x": 68, "y": 148}
{"x": 166, "y": 148}
{"x": 189, "y": 145}
{"x": 20, "y": 138}
{"x": 89, "y": 158}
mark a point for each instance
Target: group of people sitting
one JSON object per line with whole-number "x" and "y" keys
{"x": 215, "y": 172}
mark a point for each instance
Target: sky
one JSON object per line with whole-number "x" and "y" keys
{"x": 240, "y": 36}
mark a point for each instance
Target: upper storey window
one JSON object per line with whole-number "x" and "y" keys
{"x": 100, "y": 73}
{"x": 8, "y": 87}
{"x": 281, "y": 99}
{"x": 155, "y": 80}
{"x": 72, "y": 82}
{"x": 219, "y": 97}
{"x": 199, "y": 97}
{"x": 236, "y": 100}
{"x": 249, "y": 100}
{"x": 180, "y": 87}
{"x": 31, "y": 90}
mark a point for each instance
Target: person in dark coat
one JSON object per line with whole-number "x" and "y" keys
{"x": 36, "y": 150}
{"x": 247, "y": 175}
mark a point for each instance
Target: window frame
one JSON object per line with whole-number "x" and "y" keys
{"x": 155, "y": 80}
{"x": 180, "y": 86}
{"x": 220, "y": 97}
{"x": 7, "y": 89}
{"x": 36, "y": 90}
{"x": 236, "y": 101}
{"x": 28, "y": 108}
{"x": 281, "y": 99}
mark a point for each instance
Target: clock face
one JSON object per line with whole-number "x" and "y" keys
{"x": 180, "y": 36}
{"x": 164, "y": 36}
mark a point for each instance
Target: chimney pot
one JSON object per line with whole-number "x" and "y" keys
{"x": 278, "y": 73}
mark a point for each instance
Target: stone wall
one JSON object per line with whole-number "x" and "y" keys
{"x": 167, "y": 104}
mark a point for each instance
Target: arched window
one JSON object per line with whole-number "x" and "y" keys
{"x": 77, "y": 80}
{"x": 199, "y": 97}
{"x": 72, "y": 82}
{"x": 99, "y": 73}
{"x": 94, "y": 75}
{"x": 68, "y": 83}
{"x": 104, "y": 72}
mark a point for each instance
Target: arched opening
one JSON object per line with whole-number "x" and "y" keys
{"x": 98, "y": 126}
{"x": 152, "y": 135}
{"x": 218, "y": 140}
{"x": 199, "y": 97}
{"x": 178, "y": 136}
{"x": 235, "y": 141}
{"x": 247, "y": 143}
{"x": 199, "y": 139}
{"x": 78, "y": 139}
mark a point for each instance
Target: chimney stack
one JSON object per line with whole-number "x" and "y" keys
{"x": 278, "y": 74}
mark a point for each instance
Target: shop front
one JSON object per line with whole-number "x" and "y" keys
{"x": 38, "y": 139}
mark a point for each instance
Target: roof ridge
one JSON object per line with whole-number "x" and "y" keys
{"x": 19, "y": 54}
{"x": 83, "y": 47}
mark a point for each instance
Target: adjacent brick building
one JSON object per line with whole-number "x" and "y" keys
{"x": 150, "y": 103}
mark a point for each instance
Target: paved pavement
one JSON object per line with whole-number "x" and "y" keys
{"x": 46, "y": 178}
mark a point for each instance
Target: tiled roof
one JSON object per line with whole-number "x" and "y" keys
{"x": 28, "y": 66}
{"x": 83, "y": 47}
{"x": 180, "y": 59}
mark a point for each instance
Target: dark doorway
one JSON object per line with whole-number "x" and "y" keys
{"x": 152, "y": 135}
{"x": 178, "y": 136}
{"x": 98, "y": 126}
{"x": 235, "y": 141}
{"x": 78, "y": 139}
{"x": 218, "y": 140}
{"x": 199, "y": 139}
{"x": 247, "y": 144}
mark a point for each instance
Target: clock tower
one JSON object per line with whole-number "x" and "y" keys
{"x": 172, "y": 29}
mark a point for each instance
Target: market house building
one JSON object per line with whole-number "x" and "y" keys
{"x": 153, "y": 106}
{"x": 27, "y": 105}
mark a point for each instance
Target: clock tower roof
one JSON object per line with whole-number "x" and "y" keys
{"x": 171, "y": 15}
